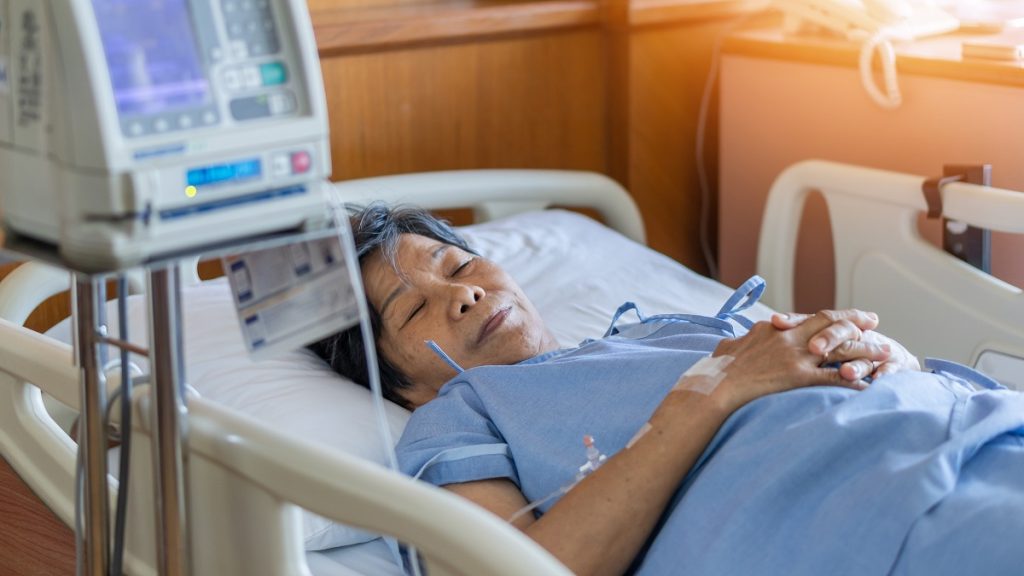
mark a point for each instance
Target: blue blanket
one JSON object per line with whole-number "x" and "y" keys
{"x": 919, "y": 474}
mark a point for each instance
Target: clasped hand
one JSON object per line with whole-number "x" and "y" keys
{"x": 832, "y": 347}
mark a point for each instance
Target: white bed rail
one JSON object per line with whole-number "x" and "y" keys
{"x": 245, "y": 479}
{"x": 456, "y": 536}
{"x": 930, "y": 301}
{"x": 35, "y": 446}
{"x": 496, "y": 193}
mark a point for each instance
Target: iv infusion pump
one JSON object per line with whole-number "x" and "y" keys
{"x": 133, "y": 129}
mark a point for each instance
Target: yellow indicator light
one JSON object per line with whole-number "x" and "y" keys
{"x": 191, "y": 191}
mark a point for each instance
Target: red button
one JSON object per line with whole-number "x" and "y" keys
{"x": 301, "y": 162}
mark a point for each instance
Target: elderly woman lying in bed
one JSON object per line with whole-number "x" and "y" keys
{"x": 711, "y": 468}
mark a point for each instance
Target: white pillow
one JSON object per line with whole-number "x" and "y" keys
{"x": 575, "y": 270}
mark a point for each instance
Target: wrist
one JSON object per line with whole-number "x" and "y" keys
{"x": 717, "y": 406}
{"x": 727, "y": 399}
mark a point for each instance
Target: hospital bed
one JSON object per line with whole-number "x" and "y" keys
{"x": 270, "y": 441}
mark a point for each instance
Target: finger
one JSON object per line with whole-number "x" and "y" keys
{"x": 887, "y": 368}
{"x": 832, "y": 377}
{"x": 860, "y": 318}
{"x": 787, "y": 321}
{"x": 858, "y": 350}
{"x": 832, "y": 336}
{"x": 856, "y": 369}
{"x": 825, "y": 318}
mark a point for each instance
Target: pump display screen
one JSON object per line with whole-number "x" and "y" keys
{"x": 225, "y": 173}
{"x": 153, "y": 56}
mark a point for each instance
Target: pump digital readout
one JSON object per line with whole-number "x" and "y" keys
{"x": 225, "y": 173}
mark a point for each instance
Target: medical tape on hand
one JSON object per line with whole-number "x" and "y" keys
{"x": 704, "y": 376}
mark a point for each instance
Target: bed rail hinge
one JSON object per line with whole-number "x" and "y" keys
{"x": 966, "y": 242}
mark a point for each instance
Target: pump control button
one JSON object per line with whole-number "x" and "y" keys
{"x": 280, "y": 166}
{"x": 301, "y": 162}
{"x": 273, "y": 73}
{"x": 281, "y": 103}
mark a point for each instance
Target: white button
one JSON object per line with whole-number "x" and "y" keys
{"x": 281, "y": 103}
{"x": 251, "y": 77}
{"x": 209, "y": 117}
{"x": 281, "y": 165}
{"x": 247, "y": 5}
{"x": 257, "y": 49}
{"x": 229, "y": 6}
{"x": 232, "y": 79}
{"x": 135, "y": 128}
{"x": 185, "y": 121}
{"x": 160, "y": 125}
{"x": 239, "y": 50}
{"x": 235, "y": 28}
{"x": 217, "y": 53}
{"x": 252, "y": 26}
{"x": 278, "y": 104}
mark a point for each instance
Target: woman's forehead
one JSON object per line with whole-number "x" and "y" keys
{"x": 412, "y": 253}
{"x": 414, "y": 250}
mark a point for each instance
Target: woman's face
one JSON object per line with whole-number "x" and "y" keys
{"x": 466, "y": 304}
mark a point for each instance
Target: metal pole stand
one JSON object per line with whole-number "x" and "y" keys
{"x": 170, "y": 418}
{"x": 92, "y": 441}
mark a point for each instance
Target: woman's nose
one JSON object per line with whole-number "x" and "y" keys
{"x": 465, "y": 296}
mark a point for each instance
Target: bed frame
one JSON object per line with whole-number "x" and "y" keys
{"x": 245, "y": 479}
{"x": 931, "y": 302}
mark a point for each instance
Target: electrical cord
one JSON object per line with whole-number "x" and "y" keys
{"x": 117, "y": 558}
{"x": 702, "y": 120}
{"x": 891, "y": 98}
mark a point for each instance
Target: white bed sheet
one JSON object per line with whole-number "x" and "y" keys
{"x": 369, "y": 559}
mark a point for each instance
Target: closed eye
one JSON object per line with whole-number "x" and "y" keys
{"x": 462, "y": 267}
{"x": 414, "y": 313}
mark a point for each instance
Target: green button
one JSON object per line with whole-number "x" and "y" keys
{"x": 273, "y": 74}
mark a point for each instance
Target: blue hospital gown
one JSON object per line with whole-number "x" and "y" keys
{"x": 919, "y": 474}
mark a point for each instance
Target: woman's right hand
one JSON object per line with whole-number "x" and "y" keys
{"x": 768, "y": 360}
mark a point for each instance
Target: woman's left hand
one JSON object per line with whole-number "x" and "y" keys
{"x": 836, "y": 344}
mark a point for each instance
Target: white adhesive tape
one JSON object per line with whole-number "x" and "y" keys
{"x": 639, "y": 434}
{"x": 704, "y": 376}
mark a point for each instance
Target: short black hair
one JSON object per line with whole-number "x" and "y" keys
{"x": 376, "y": 229}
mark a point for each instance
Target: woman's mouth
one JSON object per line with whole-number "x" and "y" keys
{"x": 493, "y": 323}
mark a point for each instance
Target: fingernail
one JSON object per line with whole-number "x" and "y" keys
{"x": 873, "y": 316}
{"x": 886, "y": 348}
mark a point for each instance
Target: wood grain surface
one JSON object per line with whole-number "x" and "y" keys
{"x": 33, "y": 541}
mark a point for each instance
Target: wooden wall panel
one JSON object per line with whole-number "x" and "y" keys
{"x": 668, "y": 70}
{"x": 33, "y": 541}
{"x": 522, "y": 102}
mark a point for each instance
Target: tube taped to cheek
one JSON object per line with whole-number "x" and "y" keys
{"x": 704, "y": 376}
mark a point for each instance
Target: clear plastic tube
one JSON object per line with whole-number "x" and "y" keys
{"x": 341, "y": 220}
{"x": 594, "y": 461}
